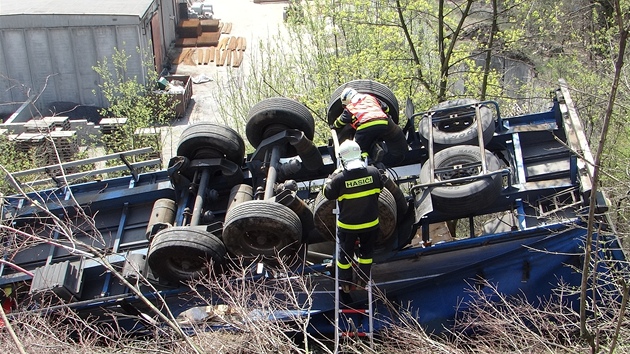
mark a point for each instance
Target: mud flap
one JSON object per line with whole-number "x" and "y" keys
{"x": 423, "y": 203}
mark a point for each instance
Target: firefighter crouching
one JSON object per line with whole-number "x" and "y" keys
{"x": 369, "y": 117}
{"x": 356, "y": 188}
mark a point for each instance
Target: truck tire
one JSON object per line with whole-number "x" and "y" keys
{"x": 463, "y": 198}
{"x": 458, "y": 131}
{"x": 276, "y": 114}
{"x": 261, "y": 228}
{"x": 371, "y": 87}
{"x": 211, "y": 140}
{"x": 325, "y": 220}
{"x": 182, "y": 253}
{"x": 402, "y": 206}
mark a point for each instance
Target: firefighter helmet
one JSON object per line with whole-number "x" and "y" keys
{"x": 347, "y": 94}
{"x": 350, "y": 154}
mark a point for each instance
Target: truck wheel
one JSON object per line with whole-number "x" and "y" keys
{"x": 325, "y": 220}
{"x": 377, "y": 89}
{"x": 262, "y": 228}
{"x": 461, "y": 130}
{"x": 276, "y": 114}
{"x": 387, "y": 218}
{"x": 463, "y": 198}
{"x": 183, "y": 253}
{"x": 211, "y": 140}
{"x": 401, "y": 202}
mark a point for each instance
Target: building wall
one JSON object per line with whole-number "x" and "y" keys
{"x": 53, "y": 55}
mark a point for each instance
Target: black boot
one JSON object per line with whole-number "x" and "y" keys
{"x": 363, "y": 275}
{"x": 345, "y": 279}
{"x": 377, "y": 153}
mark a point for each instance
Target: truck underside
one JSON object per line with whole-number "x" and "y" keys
{"x": 479, "y": 201}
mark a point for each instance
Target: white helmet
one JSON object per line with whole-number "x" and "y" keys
{"x": 347, "y": 94}
{"x": 350, "y": 154}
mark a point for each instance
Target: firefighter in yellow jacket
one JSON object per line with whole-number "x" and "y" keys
{"x": 356, "y": 187}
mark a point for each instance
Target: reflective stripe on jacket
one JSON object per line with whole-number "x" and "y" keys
{"x": 366, "y": 109}
{"x": 357, "y": 192}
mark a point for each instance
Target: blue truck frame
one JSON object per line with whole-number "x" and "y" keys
{"x": 535, "y": 244}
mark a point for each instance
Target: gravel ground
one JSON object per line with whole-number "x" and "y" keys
{"x": 254, "y": 22}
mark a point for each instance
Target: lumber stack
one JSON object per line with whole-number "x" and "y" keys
{"x": 230, "y": 51}
{"x": 210, "y": 25}
{"x": 190, "y": 28}
{"x": 205, "y": 32}
{"x": 206, "y": 41}
{"x": 226, "y": 51}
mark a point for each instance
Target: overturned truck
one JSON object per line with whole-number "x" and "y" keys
{"x": 478, "y": 199}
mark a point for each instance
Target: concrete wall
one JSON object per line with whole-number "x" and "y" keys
{"x": 53, "y": 55}
{"x": 57, "y": 63}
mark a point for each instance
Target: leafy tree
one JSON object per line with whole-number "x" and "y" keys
{"x": 620, "y": 18}
{"x": 328, "y": 44}
{"x": 431, "y": 51}
{"x": 140, "y": 104}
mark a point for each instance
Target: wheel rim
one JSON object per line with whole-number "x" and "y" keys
{"x": 260, "y": 228}
{"x": 455, "y": 125}
{"x": 186, "y": 267}
{"x": 262, "y": 240}
{"x": 463, "y": 166}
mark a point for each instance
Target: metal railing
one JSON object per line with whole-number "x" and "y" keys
{"x": 58, "y": 172}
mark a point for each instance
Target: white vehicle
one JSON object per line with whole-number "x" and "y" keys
{"x": 201, "y": 10}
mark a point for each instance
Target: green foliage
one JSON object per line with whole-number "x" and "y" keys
{"x": 390, "y": 42}
{"x": 435, "y": 50}
{"x": 13, "y": 160}
{"x": 144, "y": 109}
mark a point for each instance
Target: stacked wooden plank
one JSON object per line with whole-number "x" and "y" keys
{"x": 26, "y": 141}
{"x": 190, "y": 28}
{"x": 200, "y": 32}
{"x": 210, "y": 25}
{"x": 226, "y": 27}
{"x": 65, "y": 144}
{"x": 222, "y": 51}
{"x": 109, "y": 125}
{"x": 209, "y": 45}
{"x": 47, "y": 124}
{"x": 230, "y": 51}
{"x": 208, "y": 39}
{"x": 186, "y": 42}
{"x": 210, "y": 55}
{"x": 204, "y": 56}
{"x": 184, "y": 56}
{"x": 237, "y": 58}
{"x": 188, "y": 31}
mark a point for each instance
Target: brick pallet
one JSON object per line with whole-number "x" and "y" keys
{"x": 47, "y": 124}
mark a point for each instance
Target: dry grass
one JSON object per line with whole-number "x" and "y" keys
{"x": 493, "y": 324}
{"x": 250, "y": 304}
